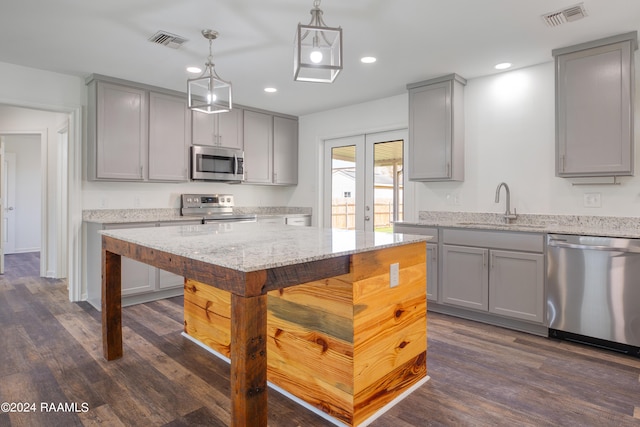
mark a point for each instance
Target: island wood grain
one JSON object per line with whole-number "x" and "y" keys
{"x": 347, "y": 345}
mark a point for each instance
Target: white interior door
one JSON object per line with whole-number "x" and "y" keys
{"x": 364, "y": 181}
{"x": 9, "y": 203}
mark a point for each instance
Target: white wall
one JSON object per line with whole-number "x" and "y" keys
{"x": 28, "y": 190}
{"x": 129, "y": 195}
{"x": 510, "y": 137}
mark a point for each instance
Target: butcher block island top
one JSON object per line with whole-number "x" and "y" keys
{"x": 334, "y": 318}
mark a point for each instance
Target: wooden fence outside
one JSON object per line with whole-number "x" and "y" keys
{"x": 343, "y": 215}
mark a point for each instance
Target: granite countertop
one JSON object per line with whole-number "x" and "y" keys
{"x": 117, "y": 216}
{"x": 628, "y": 227}
{"x": 254, "y": 246}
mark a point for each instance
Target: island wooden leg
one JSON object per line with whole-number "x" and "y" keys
{"x": 111, "y": 306}
{"x": 248, "y": 361}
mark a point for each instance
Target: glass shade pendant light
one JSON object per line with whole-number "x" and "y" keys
{"x": 209, "y": 93}
{"x": 318, "y": 50}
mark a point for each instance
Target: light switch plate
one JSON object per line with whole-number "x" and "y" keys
{"x": 394, "y": 275}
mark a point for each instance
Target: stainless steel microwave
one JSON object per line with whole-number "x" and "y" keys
{"x": 216, "y": 164}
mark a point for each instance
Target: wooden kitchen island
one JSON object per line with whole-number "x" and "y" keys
{"x": 335, "y": 318}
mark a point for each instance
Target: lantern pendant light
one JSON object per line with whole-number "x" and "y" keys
{"x": 317, "y": 50}
{"x": 209, "y": 93}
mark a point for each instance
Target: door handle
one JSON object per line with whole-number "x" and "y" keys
{"x": 10, "y": 208}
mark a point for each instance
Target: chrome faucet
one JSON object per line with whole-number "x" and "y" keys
{"x": 508, "y": 216}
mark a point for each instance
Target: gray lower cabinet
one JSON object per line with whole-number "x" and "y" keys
{"x": 300, "y": 220}
{"x": 465, "y": 277}
{"x": 497, "y": 272}
{"x": 594, "y": 107}
{"x": 516, "y": 285}
{"x": 432, "y": 254}
{"x": 140, "y": 282}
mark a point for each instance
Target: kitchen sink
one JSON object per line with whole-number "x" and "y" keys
{"x": 493, "y": 224}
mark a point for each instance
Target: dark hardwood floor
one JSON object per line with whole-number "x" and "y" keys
{"x": 51, "y": 355}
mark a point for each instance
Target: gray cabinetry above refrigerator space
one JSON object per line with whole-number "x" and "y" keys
{"x": 270, "y": 149}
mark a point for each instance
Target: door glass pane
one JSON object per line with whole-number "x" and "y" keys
{"x": 343, "y": 187}
{"x": 388, "y": 188}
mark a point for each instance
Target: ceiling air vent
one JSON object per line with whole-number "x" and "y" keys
{"x": 167, "y": 39}
{"x": 569, "y": 14}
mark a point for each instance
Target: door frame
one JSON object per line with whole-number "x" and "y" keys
{"x": 74, "y": 199}
{"x": 10, "y": 184}
{"x": 410, "y": 213}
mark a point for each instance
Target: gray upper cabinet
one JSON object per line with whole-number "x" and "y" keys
{"x": 118, "y": 125}
{"x": 594, "y": 107}
{"x": 258, "y": 147}
{"x": 270, "y": 149}
{"x": 221, "y": 129}
{"x": 135, "y": 133}
{"x": 285, "y": 151}
{"x": 436, "y": 129}
{"x": 168, "y": 138}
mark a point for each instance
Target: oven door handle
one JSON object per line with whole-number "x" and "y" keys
{"x": 563, "y": 244}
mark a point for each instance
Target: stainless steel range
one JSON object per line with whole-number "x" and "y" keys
{"x": 212, "y": 208}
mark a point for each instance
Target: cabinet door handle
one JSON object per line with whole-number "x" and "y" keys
{"x": 484, "y": 259}
{"x": 141, "y": 174}
{"x": 448, "y": 170}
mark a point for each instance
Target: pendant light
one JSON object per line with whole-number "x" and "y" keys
{"x": 209, "y": 93}
{"x": 318, "y": 50}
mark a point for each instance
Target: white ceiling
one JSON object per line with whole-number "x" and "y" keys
{"x": 413, "y": 40}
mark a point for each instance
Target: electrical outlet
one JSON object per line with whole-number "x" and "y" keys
{"x": 136, "y": 202}
{"x": 394, "y": 275}
{"x": 592, "y": 200}
{"x": 104, "y": 203}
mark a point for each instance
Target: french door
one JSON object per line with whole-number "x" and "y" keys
{"x": 364, "y": 181}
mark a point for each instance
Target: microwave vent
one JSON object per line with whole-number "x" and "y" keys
{"x": 569, "y": 14}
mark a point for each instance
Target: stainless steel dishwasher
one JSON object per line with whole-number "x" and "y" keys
{"x": 593, "y": 291}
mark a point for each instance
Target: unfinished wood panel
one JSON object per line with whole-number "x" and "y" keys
{"x": 388, "y": 387}
{"x": 333, "y": 295}
{"x": 390, "y": 327}
{"x": 207, "y": 315}
{"x": 387, "y": 335}
{"x": 376, "y": 263}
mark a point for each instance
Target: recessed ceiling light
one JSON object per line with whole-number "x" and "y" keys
{"x": 368, "y": 59}
{"x": 503, "y": 66}
{"x": 194, "y": 69}
{"x": 270, "y": 89}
